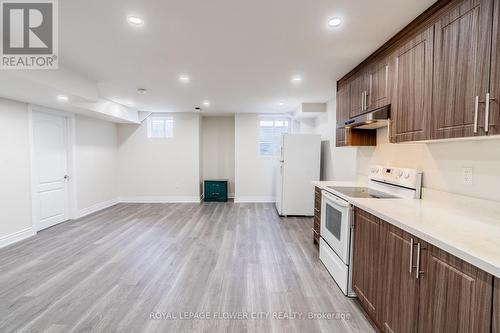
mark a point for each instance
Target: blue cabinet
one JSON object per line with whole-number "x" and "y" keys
{"x": 215, "y": 190}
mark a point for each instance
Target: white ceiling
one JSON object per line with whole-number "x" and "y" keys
{"x": 240, "y": 54}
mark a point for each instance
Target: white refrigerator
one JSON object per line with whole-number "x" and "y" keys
{"x": 299, "y": 166}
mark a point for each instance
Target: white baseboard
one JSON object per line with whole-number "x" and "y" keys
{"x": 17, "y": 237}
{"x": 95, "y": 208}
{"x": 193, "y": 199}
{"x": 244, "y": 199}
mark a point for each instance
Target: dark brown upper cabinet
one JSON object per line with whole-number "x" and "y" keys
{"x": 442, "y": 78}
{"x": 411, "y": 100}
{"x": 359, "y": 91}
{"x": 343, "y": 104}
{"x": 494, "y": 107}
{"x": 346, "y": 136}
{"x": 462, "y": 50}
{"x": 378, "y": 92}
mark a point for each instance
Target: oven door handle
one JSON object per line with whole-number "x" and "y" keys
{"x": 335, "y": 200}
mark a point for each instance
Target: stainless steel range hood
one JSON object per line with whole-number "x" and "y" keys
{"x": 370, "y": 120}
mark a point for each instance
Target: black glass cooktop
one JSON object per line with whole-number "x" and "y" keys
{"x": 361, "y": 192}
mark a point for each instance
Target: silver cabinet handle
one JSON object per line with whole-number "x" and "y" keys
{"x": 417, "y": 269}
{"x": 476, "y": 113}
{"x": 366, "y": 100}
{"x": 411, "y": 255}
{"x": 362, "y": 101}
{"x": 487, "y": 114}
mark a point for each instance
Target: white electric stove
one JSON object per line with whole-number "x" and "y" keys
{"x": 336, "y": 231}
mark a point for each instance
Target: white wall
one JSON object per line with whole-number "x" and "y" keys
{"x": 96, "y": 163}
{"x": 441, "y": 163}
{"x": 160, "y": 169}
{"x": 254, "y": 174}
{"x": 15, "y": 186}
{"x": 218, "y": 149}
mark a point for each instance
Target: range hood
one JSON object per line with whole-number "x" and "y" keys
{"x": 370, "y": 120}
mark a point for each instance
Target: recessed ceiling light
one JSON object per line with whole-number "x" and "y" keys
{"x": 296, "y": 79}
{"x": 135, "y": 20}
{"x": 184, "y": 78}
{"x": 142, "y": 91}
{"x": 334, "y": 22}
{"x": 62, "y": 98}
{"x": 206, "y": 103}
{"x": 281, "y": 103}
{"x": 129, "y": 103}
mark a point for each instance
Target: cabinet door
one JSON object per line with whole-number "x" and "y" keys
{"x": 378, "y": 94}
{"x": 343, "y": 104}
{"x": 359, "y": 87}
{"x": 366, "y": 276}
{"x": 412, "y": 95}
{"x": 494, "y": 116}
{"x": 454, "y": 295}
{"x": 496, "y": 306}
{"x": 461, "y": 69}
{"x": 340, "y": 137}
{"x": 400, "y": 302}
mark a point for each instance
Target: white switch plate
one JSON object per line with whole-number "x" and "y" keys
{"x": 467, "y": 176}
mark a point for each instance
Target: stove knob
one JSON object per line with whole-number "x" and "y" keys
{"x": 400, "y": 173}
{"x": 407, "y": 175}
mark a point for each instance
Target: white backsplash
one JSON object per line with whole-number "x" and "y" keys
{"x": 441, "y": 163}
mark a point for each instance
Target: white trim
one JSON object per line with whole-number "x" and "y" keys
{"x": 254, "y": 199}
{"x": 70, "y": 133}
{"x": 193, "y": 199}
{"x": 17, "y": 237}
{"x": 95, "y": 208}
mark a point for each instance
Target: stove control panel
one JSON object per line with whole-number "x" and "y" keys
{"x": 410, "y": 178}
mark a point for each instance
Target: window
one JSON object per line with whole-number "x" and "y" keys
{"x": 160, "y": 127}
{"x": 271, "y": 130}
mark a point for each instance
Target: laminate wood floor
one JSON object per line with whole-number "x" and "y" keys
{"x": 152, "y": 267}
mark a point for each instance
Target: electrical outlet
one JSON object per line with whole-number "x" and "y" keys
{"x": 467, "y": 176}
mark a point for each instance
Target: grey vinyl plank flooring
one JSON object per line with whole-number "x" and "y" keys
{"x": 110, "y": 271}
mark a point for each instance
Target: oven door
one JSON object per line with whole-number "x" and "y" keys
{"x": 335, "y": 224}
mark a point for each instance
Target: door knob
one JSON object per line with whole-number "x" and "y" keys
{"x": 66, "y": 177}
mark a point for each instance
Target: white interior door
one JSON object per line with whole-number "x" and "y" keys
{"x": 50, "y": 166}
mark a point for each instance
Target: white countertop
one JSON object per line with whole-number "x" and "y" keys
{"x": 466, "y": 227}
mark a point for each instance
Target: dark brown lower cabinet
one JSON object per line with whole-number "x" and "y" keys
{"x": 400, "y": 302}
{"x": 406, "y": 285}
{"x": 317, "y": 215}
{"x": 366, "y": 281}
{"x": 496, "y": 306}
{"x": 455, "y": 296}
